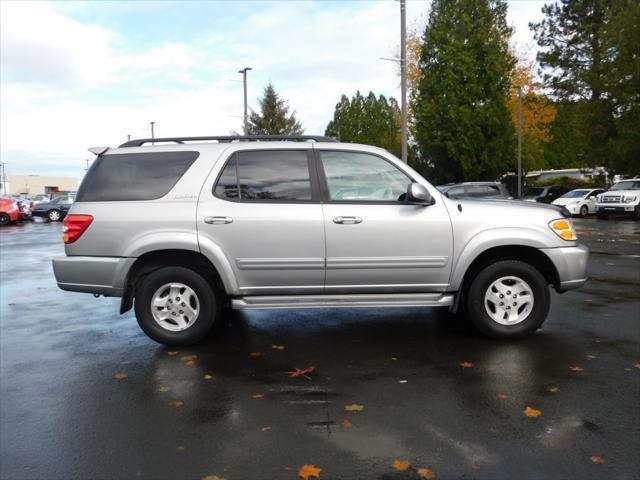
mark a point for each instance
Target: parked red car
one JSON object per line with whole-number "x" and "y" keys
{"x": 9, "y": 212}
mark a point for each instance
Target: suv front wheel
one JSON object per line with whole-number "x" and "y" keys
{"x": 508, "y": 299}
{"x": 176, "y": 306}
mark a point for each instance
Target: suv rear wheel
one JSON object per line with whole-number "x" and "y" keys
{"x": 508, "y": 299}
{"x": 176, "y": 306}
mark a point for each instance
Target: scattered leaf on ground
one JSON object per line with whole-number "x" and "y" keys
{"x": 354, "y": 407}
{"x": 120, "y": 376}
{"x": 475, "y": 466}
{"x": 265, "y": 429}
{"x": 611, "y": 264}
{"x": 173, "y": 352}
{"x": 163, "y": 389}
{"x": 393, "y": 359}
{"x": 400, "y": 465}
{"x": 553, "y": 389}
{"x": 207, "y": 376}
{"x": 176, "y": 403}
{"x": 597, "y": 459}
{"x": 426, "y": 473}
{"x": 258, "y": 395}
{"x": 255, "y": 354}
{"x": 502, "y": 396}
{"x": 637, "y": 365}
{"x": 190, "y": 359}
{"x": 213, "y": 477}
{"x": 308, "y": 471}
{"x": 181, "y": 448}
{"x": 591, "y": 357}
{"x": 576, "y": 368}
{"x": 466, "y": 364}
{"x": 278, "y": 347}
{"x": 532, "y": 412}
{"x": 346, "y": 423}
{"x": 301, "y": 372}
{"x": 403, "y": 381}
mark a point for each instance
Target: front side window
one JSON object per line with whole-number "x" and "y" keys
{"x": 455, "y": 192}
{"x": 362, "y": 177}
{"x": 266, "y": 175}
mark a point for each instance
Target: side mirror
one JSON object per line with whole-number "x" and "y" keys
{"x": 417, "y": 194}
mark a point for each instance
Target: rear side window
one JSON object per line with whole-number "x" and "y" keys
{"x": 134, "y": 176}
{"x": 267, "y": 175}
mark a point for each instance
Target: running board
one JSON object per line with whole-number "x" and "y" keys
{"x": 339, "y": 301}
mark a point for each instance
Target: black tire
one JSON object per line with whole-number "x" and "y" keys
{"x": 4, "y": 220}
{"x": 475, "y": 299}
{"x": 584, "y": 211}
{"x": 208, "y": 300}
{"x": 54, "y": 215}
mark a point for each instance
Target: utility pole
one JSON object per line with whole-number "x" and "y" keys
{"x": 128, "y": 137}
{"x": 519, "y": 142}
{"x": 4, "y": 178}
{"x": 152, "y": 133}
{"x": 403, "y": 77}
{"x": 86, "y": 161}
{"x": 244, "y": 83}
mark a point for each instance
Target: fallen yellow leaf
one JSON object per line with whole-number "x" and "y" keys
{"x": 172, "y": 353}
{"x": 597, "y": 459}
{"x": 207, "y": 376}
{"x": 307, "y": 471}
{"x": 400, "y": 465}
{"x": 502, "y": 396}
{"x": 553, "y": 389}
{"x": 466, "y": 364}
{"x": 532, "y": 412}
{"x": 255, "y": 354}
{"x": 576, "y": 368}
{"x": 278, "y": 347}
{"x": 354, "y": 407}
{"x": 426, "y": 473}
{"x": 120, "y": 376}
{"x": 258, "y": 395}
{"x": 213, "y": 477}
{"x": 163, "y": 389}
{"x": 176, "y": 403}
{"x": 265, "y": 429}
{"x": 189, "y": 358}
{"x": 346, "y": 423}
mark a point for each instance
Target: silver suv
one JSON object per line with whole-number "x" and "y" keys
{"x": 185, "y": 226}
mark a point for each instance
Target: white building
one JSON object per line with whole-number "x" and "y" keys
{"x": 586, "y": 174}
{"x": 38, "y": 184}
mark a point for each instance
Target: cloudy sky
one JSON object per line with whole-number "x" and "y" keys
{"x": 81, "y": 74}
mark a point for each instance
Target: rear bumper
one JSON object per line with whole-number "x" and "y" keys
{"x": 102, "y": 275}
{"x": 571, "y": 265}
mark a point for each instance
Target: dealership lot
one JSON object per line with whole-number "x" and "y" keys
{"x": 84, "y": 393}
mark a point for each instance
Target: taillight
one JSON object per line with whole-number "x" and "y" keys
{"x": 74, "y": 227}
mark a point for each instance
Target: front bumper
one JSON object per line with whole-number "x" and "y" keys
{"x": 571, "y": 265}
{"x": 617, "y": 208}
{"x": 101, "y": 275}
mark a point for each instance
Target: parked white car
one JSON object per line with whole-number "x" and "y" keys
{"x": 581, "y": 201}
{"x": 622, "y": 198}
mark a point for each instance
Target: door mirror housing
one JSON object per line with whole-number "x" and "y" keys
{"x": 418, "y": 194}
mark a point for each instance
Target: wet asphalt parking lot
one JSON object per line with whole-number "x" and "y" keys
{"x": 393, "y": 393}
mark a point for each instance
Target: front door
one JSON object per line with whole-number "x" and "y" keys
{"x": 375, "y": 241}
{"x": 262, "y": 210}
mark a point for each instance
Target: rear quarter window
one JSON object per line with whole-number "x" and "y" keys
{"x": 134, "y": 176}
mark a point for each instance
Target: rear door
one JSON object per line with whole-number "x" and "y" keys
{"x": 262, "y": 208}
{"x": 375, "y": 242}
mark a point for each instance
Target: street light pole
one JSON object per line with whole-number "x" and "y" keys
{"x": 128, "y": 137}
{"x": 519, "y": 142}
{"x": 403, "y": 77}
{"x": 244, "y": 83}
{"x": 152, "y": 133}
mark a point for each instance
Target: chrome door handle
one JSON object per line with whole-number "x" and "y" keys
{"x": 347, "y": 220}
{"x": 218, "y": 220}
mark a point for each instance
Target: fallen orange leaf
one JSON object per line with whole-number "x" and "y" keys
{"x": 597, "y": 459}
{"x": 189, "y": 358}
{"x": 258, "y": 395}
{"x": 307, "y": 471}
{"x": 301, "y": 372}
{"x": 426, "y": 473}
{"x": 532, "y": 412}
{"x": 553, "y": 389}
{"x": 163, "y": 389}
{"x": 207, "y": 376}
{"x": 354, "y": 407}
{"x": 502, "y": 396}
{"x": 172, "y": 353}
{"x": 120, "y": 376}
{"x": 575, "y": 368}
{"x": 255, "y": 354}
{"x": 278, "y": 347}
{"x": 213, "y": 477}
{"x": 265, "y": 429}
{"x": 637, "y": 365}
{"x": 346, "y": 423}
{"x": 466, "y": 364}
{"x": 400, "y": 465}
{"x": 176, "y": 403}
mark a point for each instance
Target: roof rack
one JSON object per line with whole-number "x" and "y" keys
{"x": 230, "y": 138}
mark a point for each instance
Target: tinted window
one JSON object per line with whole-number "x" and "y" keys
{"x": 455, "y": 192}
{"x": 477, "y": 191}
{"x": 353, "y": 176}
{"x": 266, "y": 175}
{"x": 134, "y": 176}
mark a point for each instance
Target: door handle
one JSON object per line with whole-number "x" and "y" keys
{"x": 347, "y": 220}
{"x": 218, "y": 220}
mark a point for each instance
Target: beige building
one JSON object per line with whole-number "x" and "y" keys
{"x": 38, "y": 184}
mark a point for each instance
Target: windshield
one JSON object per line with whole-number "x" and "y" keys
{"x": 534, "y": 192}
{"x": 576, "y": 194}
{"x": 627, "y": 185}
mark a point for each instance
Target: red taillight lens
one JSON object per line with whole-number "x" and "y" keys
{"x": 74, "y": 227}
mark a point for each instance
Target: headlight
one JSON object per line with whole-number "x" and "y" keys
{"x": 629, "y": 198}
{"x": 564, "y": 229}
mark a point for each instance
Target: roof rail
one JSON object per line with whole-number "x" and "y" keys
{"x": 230, "y": 138}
